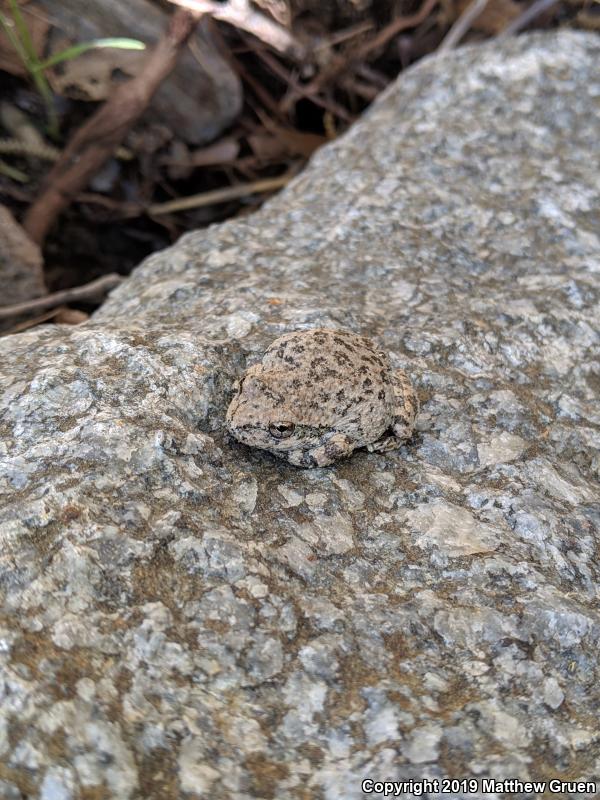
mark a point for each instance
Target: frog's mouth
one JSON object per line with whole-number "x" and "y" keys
{"x": 248, "y": 433}
{"x": 280, "y": 436}
{"x": 253, "y": 435}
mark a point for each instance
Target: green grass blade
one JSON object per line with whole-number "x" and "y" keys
{"x": 14, "y": 39}
{"x": 23, "y": 44}
{"x": 77, "y": 49}
{"x": 24, "y": 36}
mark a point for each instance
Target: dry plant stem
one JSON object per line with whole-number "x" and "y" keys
{"x": 17, "y": 147}
{"x": 261, "y": 93}
{"x": 348, "y": 33}
{"x": 58, "y": 314}
{"x": 527, "y": 16}
{"x": 340, "y": 65}
{"x": 84, "y": 292}
{"x": 395, "y": 27}
{"x": 245, "y": 76}
{"x": 220, "y": 195}
{"x": 360, "y": 88}
{"x": 298, "y": 89}
{"x": 100, "y": 136}
{"x": 372, "y": 75}
{"x": 124, "y": 209}
{"x": 240, "y": 14}
{"x": 33, "y": 322}
{"x": 462, "y": 25}
{"x": 43, "y": 151}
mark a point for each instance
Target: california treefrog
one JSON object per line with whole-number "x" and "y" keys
{"x": 319, "y": 394}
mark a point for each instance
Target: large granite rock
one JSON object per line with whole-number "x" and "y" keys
{"x": 185, "y": 617}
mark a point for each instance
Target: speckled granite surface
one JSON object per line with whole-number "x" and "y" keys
{"x": 183, "y": 617}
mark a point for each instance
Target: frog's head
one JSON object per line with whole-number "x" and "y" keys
{"x": 267, "y": 412}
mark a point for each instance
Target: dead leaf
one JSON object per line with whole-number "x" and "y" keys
{"x": 181, "y": 161}
{"x": 279, "y": 10}
{"x": 222, "y": 152}
{"x": 20, "y": 126}
{"x": 300, "y": 142}
{"x": 178, "y": 161}
{"x": 70, "y": 316}
{"x": 266, "y": 147}
{"x": 33, "y": 322}
{"x": 495, "y": 16}
{"x": 94, "y": 75}
{"x": 21, "y": 263}
{"x": 282, "y": 141}
{"x": 588, "y": 20}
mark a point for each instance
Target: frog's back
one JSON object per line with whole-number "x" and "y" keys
{"x": 322, "y": 354}
{"x": 336, "y": 378}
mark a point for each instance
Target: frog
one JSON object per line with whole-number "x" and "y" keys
{"x": 319, "y": 394}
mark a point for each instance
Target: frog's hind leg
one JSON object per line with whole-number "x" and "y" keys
{"x": 337, "y": 446}
{"x": 385, "y": 444}
{"x": 406, "y": 409}
{"x": 407, "y": 406}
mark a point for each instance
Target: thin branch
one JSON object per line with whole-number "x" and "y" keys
{"x": 297, "y": 88}
{"x": 393, "y": 28}
{"x": 527, "y": 16}
{"x": 372, "y": 75}
{"x": 365, "y": 90}
{"x": 84, "y": 292}
{"x": 347, "y": 33}
{"x": 258, "y": 89}
{"x": 32, "y": 322}
{"x": 462, "y": 25}
{"x": 220, "y": 195}
{"x": 342, "y": 64}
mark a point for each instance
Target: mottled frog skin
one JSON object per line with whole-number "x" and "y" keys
{"x": 319, "y": 394}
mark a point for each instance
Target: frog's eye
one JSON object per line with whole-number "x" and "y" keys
{"x": 281, "y": 430}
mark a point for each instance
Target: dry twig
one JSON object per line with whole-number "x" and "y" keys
{"x": 527, "y": 16}
{"x": 281, "y": 72}
{"x": 61, "y": 315}
{"x": 220, "y": 195}
{"x": 462, "y": 25}
{"x": 33, "y": 322}
{"x": 100, "y": 136}
{"x": 342, "y": 64}
{"x": 339, "y": 37}
{"x": 395, "y": 27}
{"x": 84, "y": 292}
